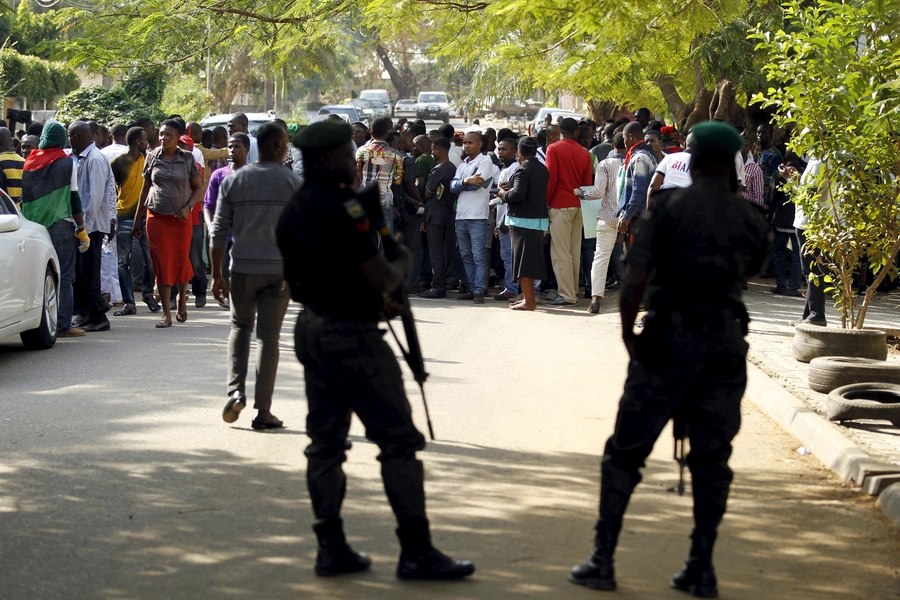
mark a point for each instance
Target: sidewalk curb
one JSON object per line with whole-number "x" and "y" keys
{"x": 823, "y": 438}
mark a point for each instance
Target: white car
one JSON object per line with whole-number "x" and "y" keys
{"x": 434, "y": 106}
{"x": 254, "y": 120}
{"x": 405, "y": 108}
{"x": 539, "y": 120}
{"x": 29, "y": 279}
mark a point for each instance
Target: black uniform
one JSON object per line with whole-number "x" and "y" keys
{"x": 325, "y": 236}
{"x": 698, "y": 244}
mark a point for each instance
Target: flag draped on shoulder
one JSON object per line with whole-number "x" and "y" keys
{"x": 47, "y": 186}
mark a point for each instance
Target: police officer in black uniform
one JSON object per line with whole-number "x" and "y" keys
{"x": 690, "y": 359}
{"x": 329, "y": 245}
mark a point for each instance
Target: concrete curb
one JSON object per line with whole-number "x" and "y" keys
{"x": 825, "y": 440}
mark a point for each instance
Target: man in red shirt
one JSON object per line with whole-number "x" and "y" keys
{"x": 570, "y": 167}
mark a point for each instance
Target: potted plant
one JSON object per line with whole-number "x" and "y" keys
{"x": 834, "y": 76}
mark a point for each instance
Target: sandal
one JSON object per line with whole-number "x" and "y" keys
{"x": 163, "y": 324}
{"x": 128, "y": 310}
{"x": 181, "y": 316}
{"x": 152, "y": 304}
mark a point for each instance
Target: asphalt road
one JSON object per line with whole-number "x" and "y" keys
{"x": 119, "y": 480}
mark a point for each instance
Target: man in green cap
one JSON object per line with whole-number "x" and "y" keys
{"x": 330, "y": 243}
{"x": 690, "y": 359}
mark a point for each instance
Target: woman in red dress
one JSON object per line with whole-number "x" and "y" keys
{"x": 172, "y": 187}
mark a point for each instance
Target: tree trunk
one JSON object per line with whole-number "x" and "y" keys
{"x": 601, "y": 110}
{"x": 724, "y": 106}
{"x": 676, "y": 105}
{"x": 401, "y": 84}
{"x": 699, "y": 110}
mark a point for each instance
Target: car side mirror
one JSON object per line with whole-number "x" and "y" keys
{"x": 9, "y": 223}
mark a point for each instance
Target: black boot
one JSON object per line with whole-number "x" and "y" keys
{"x": 698, "y": 576}
{"x": 335, "y": 556}
{"x": 597, "y": 572}
{"x": 420, "y": 560}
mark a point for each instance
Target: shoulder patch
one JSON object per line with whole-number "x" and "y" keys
{"x": 358, "y": 214}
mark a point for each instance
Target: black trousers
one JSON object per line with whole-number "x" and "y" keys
{"x": 437, "y": 249}
{"x": 814, "y": 309}
{"x": 412, "y": 237}
{"x": 349, "y": 368}
{"x": 89, "y": 300}
{"x": 700, "y": 375}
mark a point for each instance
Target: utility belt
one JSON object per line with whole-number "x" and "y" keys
{"x": 704, "y": 317}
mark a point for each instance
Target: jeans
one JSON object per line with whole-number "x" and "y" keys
{"x": 125, "y": 247}
{"x": 509, "y": 286}
{"x": 62, "y": 234}
{"x": 780, "y": 251}
{"x": 565, "y": 249}
{"x": 199, "y": 281}
{"x": 605, "y": 245}
{"x": 139, "y": 263}
{"x": 470, "y": 235}
{"x": 815, "y": 289}
{"x": 263, "y": 298}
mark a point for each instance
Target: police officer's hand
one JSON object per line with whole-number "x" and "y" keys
{"x": 220, "y": 289}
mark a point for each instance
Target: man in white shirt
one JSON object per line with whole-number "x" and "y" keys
{"x": 240, "y": 124}
{"x": 455, "y": 154}
{"x": 118, "y": 147}
{"x": 473, "y": 181}
{"x": 506, "y": 151}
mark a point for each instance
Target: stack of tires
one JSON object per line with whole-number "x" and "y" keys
{"x": 851, "y": 367}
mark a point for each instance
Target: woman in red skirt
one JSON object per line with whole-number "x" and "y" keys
{"x": 172, "y": 186}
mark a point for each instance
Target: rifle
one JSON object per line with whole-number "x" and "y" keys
{"x": 397, "y": 302}
{"x": 679, "y": 431}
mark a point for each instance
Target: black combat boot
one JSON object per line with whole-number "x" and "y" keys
{"x": 698, "y": 576}
{"x": 335, "y": 556}
{"x": 420, "y": 560}
{"x": 597, "y": 572}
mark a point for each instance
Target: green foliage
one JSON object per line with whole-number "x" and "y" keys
{"x": 187, "y": 96}
{"x": 146, "y": 84}
{"x": 107, "y": 107}
{"x": 841, "y": 61}
{"x": 33, "y": 33}
{"x": 34, "y": 78}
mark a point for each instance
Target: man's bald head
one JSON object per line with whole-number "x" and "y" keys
{"x": 5, "y": 140}
{"x": 80, "y": 136}
{"x": 421, "y": 145}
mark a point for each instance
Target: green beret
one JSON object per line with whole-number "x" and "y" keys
{"x": 712, "y": 138}
{"x": 329, "y": 133}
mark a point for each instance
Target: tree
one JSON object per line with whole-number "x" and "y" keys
{"x": 187, "y": 96}
{"x": 34, "y": 78}
{"x": 834, "y": 75}
{"x": 107, "y": 107}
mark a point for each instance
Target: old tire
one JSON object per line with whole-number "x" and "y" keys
{"x": 865, "y": 401}
{"x": 812, "y": 342}
{"x": 827, "y": 373}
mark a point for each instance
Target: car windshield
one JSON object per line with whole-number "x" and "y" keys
{"x": 432, "y": 98}
{"x": 338, "y": 110}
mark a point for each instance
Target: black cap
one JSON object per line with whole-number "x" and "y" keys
{"x": 529, "y": 145}
{"x": 324, "y": 134}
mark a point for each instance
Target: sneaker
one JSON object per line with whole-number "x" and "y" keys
{"x": 517, "y": 298}
{"x": 560, "y": 301}
{"x": 71, "y": 332}
{"x": 793, "y": 294}
{"x": 817, "y": 323}
{"x": 200, "y": 301}
{"x": 466, "y": 296}
{"x": 594, "y": 308}
{"x": 478, "y": 298}
{"x": 224, "y": 304}
{"x": 779, "y": 290}
{"x": 504, "y": 296}
{"x": 433, "y": 294}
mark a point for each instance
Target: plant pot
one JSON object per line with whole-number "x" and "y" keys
{"x": 811, "y": 341}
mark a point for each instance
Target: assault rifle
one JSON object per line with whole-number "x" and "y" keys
{"x": 397, "y": 302}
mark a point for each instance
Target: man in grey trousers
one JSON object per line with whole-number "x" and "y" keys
{"x": 251, "y": 201}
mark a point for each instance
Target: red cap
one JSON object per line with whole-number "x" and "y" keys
{"x": 186, "y": 139}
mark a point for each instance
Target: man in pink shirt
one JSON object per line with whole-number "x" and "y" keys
{"x": 570, "y": 167}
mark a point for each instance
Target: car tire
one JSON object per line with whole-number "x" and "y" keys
{"x": 43, "y": 336}
{"x": 812, "y": 341}
{"x": 827, "y": 373}
{"x": 865, "y": 401}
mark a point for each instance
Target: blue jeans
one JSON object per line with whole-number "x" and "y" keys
{"x": 471, "y": 235}
{"x": 62, "y": 234}
{"x": 780, "y": 252}
{"x": 509, "y": 285}
{"x": 125, "y": 247}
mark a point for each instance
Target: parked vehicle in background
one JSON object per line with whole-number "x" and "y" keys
{"x": 381, "y": 109}
{"x": 377, "y": 95}
{"x": 405, "y": 108}
{"x": 508, "y": 108}
{"x": 434, "y": 106}
{"x": 348, "y": 110}
{"x": 254, "y": 120}
{"x": 538, "y": 123}
{"x": 29, "y": 279}
{"x": 365, "y": 107}
{"x": 322, "y": 117}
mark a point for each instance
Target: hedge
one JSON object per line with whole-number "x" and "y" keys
{"x": 34, "y": 78}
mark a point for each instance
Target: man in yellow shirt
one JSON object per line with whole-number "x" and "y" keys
{"x": 11, "y": 164}
{"x": 128, "y": 171}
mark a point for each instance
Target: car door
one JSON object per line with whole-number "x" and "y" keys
{"x": 12, "y": 256}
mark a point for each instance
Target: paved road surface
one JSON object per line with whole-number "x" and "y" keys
{"x": 119, "y": 480}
